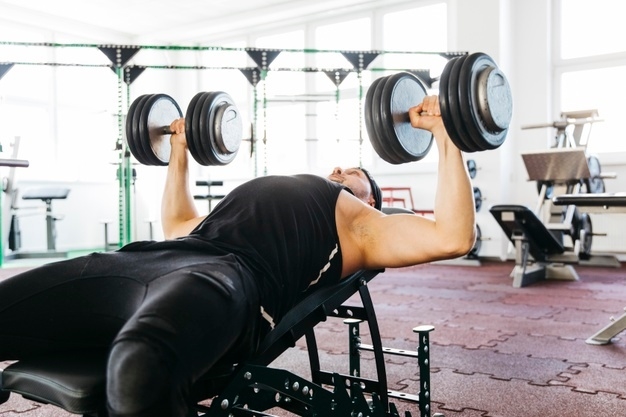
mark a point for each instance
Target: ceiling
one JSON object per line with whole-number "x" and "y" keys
{"x": 168, "y": 21}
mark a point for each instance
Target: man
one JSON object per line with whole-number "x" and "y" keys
{"x": 167, "y": 312}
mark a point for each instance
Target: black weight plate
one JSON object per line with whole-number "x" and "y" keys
{"x": 130, "y": 140}
{"x": 467, "y": 101}
{"x": 159, "y": 111}
{"x": 389, "y": 153}
{"x": 401, "y": 92}
{"x": 202, "y": 156}
{"x": 136, "y": 135}
{"x": 224, "y": 142}
{"x": 473, "y": 253}
{"x": 478, "y": 199}
{"x": 369, "y": 108}
{"x": 472, "y": 68}
{"x": 444, "y": 106}
{"x": 205, "y": 145}
{"x": 586, "y": 238}
{"x": 595, "y": 169}
{"x": 455, "y": 106}
{"x": 472, "y": 169}
{"x": 189, "y": 130}
{"x": 144, "y": 132}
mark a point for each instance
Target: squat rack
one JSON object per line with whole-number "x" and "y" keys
{"x": 126, "y": 73}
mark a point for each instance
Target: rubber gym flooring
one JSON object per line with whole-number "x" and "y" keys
{"x": 495, "y": 351}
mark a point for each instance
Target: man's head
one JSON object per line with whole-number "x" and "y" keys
{"x": 361, "y": 183}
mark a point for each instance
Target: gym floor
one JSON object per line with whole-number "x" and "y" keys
{"x": 496, "y": 350}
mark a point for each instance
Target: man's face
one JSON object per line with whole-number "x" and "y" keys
{"x": 356, "y": 181}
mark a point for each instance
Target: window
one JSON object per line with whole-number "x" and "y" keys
{"x": 591, "y": 56}
{"x": 591, "y": 28}
{"x": 340, "y": 140}
{"x": 281, "y": 116}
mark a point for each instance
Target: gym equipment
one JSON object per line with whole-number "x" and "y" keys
{"x": 472, "y": 168}
{"x": 532, "y": 239}
{"x": 599, "y": 203}
{"x": 75, "y": 381}
{"x": 478, "y": 199}
{"x": 46, "y": 195}
{"x": 213, "y": 127}
{"x": 475, "y": 101}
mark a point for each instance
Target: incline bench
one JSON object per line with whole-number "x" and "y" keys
{"x": 76, "y": 382}
{"x": 532, "y": 239}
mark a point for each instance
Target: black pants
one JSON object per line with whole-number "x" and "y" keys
{"x": 165, "y": 317}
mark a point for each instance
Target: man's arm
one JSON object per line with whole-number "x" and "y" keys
{"x": 398, "y": 240}
{"x": 179, "y": 215}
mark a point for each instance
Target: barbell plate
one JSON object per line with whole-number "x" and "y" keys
{"x": 202, "y": 156}
{"x": 368, "y": 112}
{"x": 473, "y": 66}
{"x": 401, "y": 92}
{"x": 463, "y": 139}
{"x": 472, "y": 169}
{"x": 136, "y": 135}
{"x": 389, "y": 154}
{"x": 206, "y": 143}
{"x": 586, "y": 238}
{"x": 473, "y": 253}
{"x": 159, "y": 110}
{"x": 143, "y": 139}
{"x": 189, "y": 129}
{"x": 130, "y": 140}
{"x": 478, "y": 199}
{"x": 444, "y": 105}
{"x": 225, "y": 127}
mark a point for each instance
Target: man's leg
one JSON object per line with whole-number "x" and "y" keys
{"x": 191, "y": 319}
{"x": 59, "y": 307}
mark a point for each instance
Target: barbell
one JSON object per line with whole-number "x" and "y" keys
{"x": 213, "y": 128}
{"x": 475, "y": 102}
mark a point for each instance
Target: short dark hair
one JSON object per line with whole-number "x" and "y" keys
{"x": 378, "y": 195}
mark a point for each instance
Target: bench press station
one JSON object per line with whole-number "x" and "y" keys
{"x": 75, "y": 381}
{"x": 541, "y": 247}
{"x": 599, "y": 203}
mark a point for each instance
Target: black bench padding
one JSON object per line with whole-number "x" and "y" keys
{"x": 520, "y": 220}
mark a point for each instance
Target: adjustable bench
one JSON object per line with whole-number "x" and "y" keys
{"x": 533, "y": 239}
{"x": 76, "y": 382}
{"x": 599, "y": 203}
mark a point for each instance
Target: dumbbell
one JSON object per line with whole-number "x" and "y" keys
{"x": 213, "y": 128}
{"x": 475, "y": 102}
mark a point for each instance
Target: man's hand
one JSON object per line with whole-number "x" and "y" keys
{"x": 178, "y": 136}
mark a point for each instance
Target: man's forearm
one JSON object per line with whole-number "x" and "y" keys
{"x": 177, "y": 206}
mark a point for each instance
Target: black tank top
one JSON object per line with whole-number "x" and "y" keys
{"x": 283, "y": 229}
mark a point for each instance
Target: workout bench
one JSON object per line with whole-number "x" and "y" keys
{"x": 599, "y": 203}
{"x": 47, "y": 195}
{"x": 76, "y": 382}
{"x": 533, "y": 239}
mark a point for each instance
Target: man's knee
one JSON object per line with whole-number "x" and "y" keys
{"x": 139, "y": 380}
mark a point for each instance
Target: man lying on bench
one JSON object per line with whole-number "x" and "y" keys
{"x": 167, "y": 312}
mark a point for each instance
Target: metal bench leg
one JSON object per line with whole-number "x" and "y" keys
{"x": 609, "y": 331}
